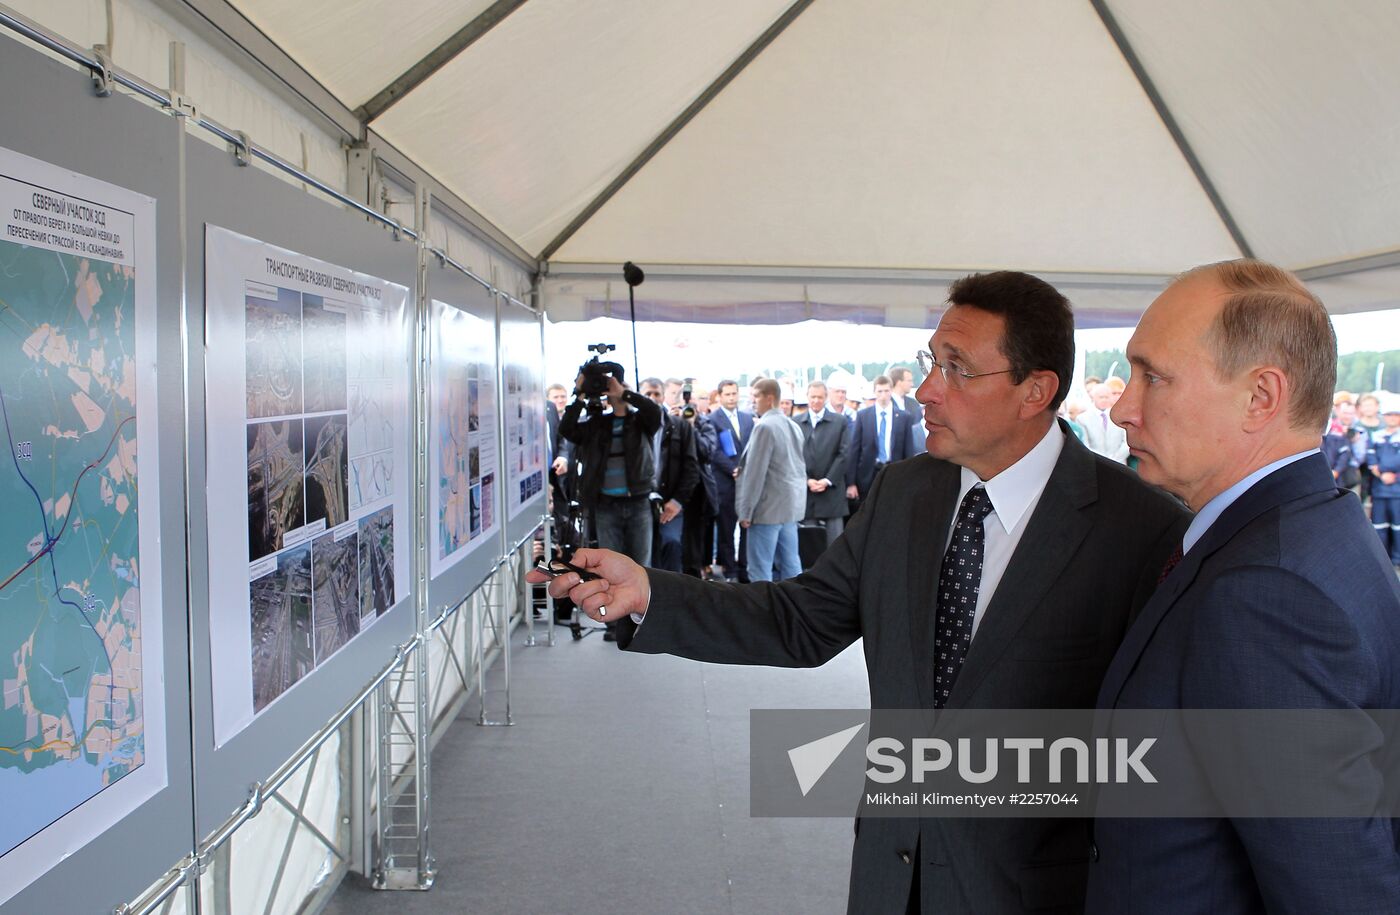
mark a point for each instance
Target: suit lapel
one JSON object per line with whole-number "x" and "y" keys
{"x": 1053, "y": 534}
{"x": 1303, "y": 477}
{"x": 925, "y": 560}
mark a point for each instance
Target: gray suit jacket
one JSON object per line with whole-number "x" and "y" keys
{"x": 772, "y": 484}
{"x": 1089, "y": 557}
{"x": 1110, "y": 441}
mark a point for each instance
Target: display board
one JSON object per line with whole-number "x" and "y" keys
{"x": 465, "y": 496}
{"x": 523, "y": 403}
{"x": 300, "y": 414}
{"x": 309, "y": 402}
{"x": 94, "y": 738}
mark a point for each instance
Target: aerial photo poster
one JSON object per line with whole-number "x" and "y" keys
{"x": 310, "y": 505}
{"x": 524, "y": 405}
{"x": 463, "y": 452}
{"x": 82, "y": 709}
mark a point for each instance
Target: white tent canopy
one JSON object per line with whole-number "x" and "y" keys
{"x": 770, "y": 160}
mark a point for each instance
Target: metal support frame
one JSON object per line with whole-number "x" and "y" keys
{"x": 1382, "y": 260}
{"x": 778, "y": 273}
{"x": 493, "y": 616}
{"x": 212, "y": 851}
{"x": 436, "y": 59}
{"x": 450, "y": 630}
{"x": 402, "y": 858}
{"x": 528, "y": 602}
{"x": 1164, "y": 113}
{"x": 402, "y": 852}
{"x": 677, "y": 124}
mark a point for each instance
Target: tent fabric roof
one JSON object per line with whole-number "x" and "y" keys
{"x": 1059, "y": 136}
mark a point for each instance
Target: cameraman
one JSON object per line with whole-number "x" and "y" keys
{"x": 677, "y": 473}
{"x": 613, "y": 452}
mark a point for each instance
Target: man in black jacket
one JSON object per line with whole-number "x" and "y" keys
{"x": 677, "y": 473}
{"x": 616, "y": 466}
{"x": 828, "y": 437}
{"x": 699, "y": 535}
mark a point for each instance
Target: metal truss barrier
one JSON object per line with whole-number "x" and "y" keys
{"x": 389, "y": 731}
{"x": 530, "y": 640}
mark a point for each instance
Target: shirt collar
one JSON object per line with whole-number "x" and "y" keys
{"x": 1212, "y": 510}
{"x": 816, "y": 415}
{"x": 1014, "y": 489}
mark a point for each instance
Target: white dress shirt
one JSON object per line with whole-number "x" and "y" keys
{"x": 816, "y": 417}
{"x": 734, "y": 424}
{"x": 1014, "y": 494}
{"x": 888, "y": 414}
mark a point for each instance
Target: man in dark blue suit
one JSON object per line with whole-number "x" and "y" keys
{"x": 882, "y": 435}
{"x": 732, "y": 429}
{"x": 1279, "y": 596}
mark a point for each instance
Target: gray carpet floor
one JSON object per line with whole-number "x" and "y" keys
{"x": 624, "y": 788}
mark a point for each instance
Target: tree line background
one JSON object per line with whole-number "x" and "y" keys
{"x": 1356, "y": 372}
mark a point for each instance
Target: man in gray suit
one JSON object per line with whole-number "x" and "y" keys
{"x": 1027, "y": 515}
{"x": 770, "y": 493}
{"x": 1101, "y": 434}
{"x": 828, "y": 436}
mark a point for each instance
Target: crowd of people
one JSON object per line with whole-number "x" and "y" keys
{"x": 1010, "y": 567}
{"x": 714, "y": 482}
{"x": 1362, "y": 446}
{"x": 719, "y": 483}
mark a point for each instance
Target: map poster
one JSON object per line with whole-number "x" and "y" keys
{"x": 463, "y": 453}
{"x": 310, "y": 504}
{"x": 82, "y": 707}
{"x": 523, "y": 401}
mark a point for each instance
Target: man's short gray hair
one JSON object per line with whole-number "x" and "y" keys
{"x": 1272, "y": 319}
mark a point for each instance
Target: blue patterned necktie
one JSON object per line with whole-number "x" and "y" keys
{"x": 958, "y": 582}
{"x": 882, "y": 454}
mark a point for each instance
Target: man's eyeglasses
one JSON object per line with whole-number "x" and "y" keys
{"x": 954, "y": 375}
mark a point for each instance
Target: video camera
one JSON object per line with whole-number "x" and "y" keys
{"x": 593, "y": 386}
{"x": 687, "y": 411}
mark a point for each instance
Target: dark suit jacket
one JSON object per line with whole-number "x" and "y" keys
{"x": 860, "y": 462}
{"x": 705, "y": 497}
{"x": 679, "y": 471}
{"x": 825, "y": 454}
{"x": 723, "y": 463}
{"x": 558, "y": 444}
{"x": 1287, "y": 601}
{"x": 1044, "y": 642}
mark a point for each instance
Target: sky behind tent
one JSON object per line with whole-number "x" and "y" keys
{"x": 707, "y": 351}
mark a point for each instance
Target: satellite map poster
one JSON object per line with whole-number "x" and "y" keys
{"x": 463, "y": 451}
{"x": 524, "y": 406}
{"x": 310, "y": 506}
{"x": 82, "y": 712}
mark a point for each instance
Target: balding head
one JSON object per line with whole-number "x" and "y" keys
{"x": 1270, "y": 318}
{"x": 1233, "y": 368}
